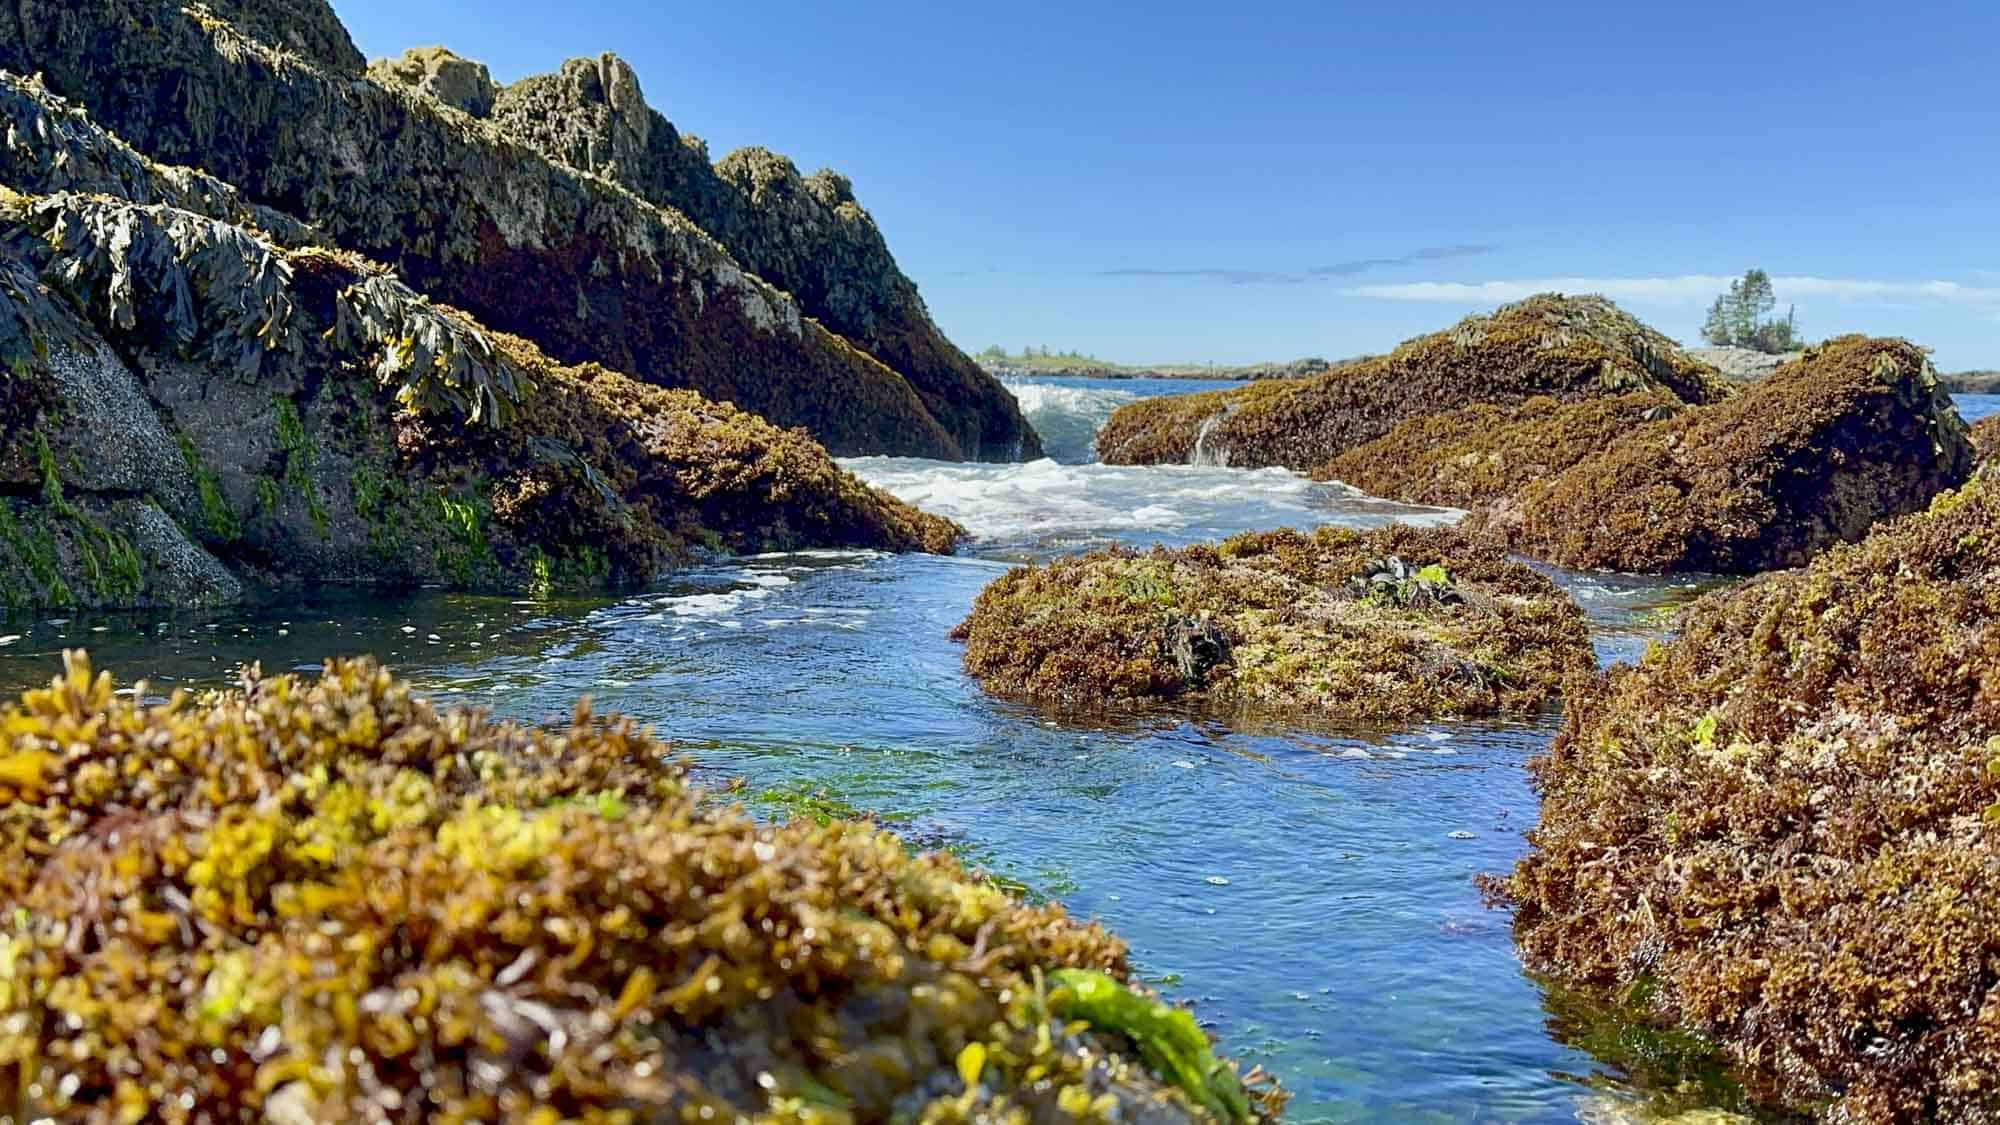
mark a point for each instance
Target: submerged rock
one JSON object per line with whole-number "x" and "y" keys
{"x": 585, "y": 268}
{"x": 325, "y": 900}
{"x": 1783, "y": 822}
{"x": 1565, "y": 348}
{"x": 183, "y": 392}
{"x": 1854, "y": 431}
{"x": 1394, "y": 624}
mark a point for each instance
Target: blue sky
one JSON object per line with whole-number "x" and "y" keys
{"x": 1231, "y": 182}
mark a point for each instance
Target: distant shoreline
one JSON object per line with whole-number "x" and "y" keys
{"x": 1063, "y": 369}
{"x": 1737, "y": 364}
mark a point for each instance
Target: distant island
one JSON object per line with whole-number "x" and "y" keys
{"x": 1044, "y": 362}
{"x": 1972, "y": 382}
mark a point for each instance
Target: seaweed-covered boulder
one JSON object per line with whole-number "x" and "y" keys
{"x": 325, "y": 900}
{"x": 1485, "y": 454}
{"x": 807, "y": 235}
{"x": 584, "y": 268}
{"x": 1565, "y": 348}
{"x": 1814, "y": 454}
{"x": 188, "y": 405}
{"x": 1783, "y": 827}
{"x": 1986, "y": 436}
{"x": 1394, "y": 624}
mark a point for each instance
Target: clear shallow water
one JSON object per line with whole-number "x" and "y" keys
{"x": 1312, "y": 892}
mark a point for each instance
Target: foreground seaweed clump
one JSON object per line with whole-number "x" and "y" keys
{"x": 1565, "y": 348}
{"x": 1392, "y": 624}
{"x": 1854, "y": 431}
{"x": 317, "y": 900}
{"x": 1785, "y": 824}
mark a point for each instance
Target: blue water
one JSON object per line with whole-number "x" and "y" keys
{"x": 1974, "y": 407}
{"x": 1310, "y": 892}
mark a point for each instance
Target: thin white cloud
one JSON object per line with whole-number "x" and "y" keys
{"x": 1685, "y": 289}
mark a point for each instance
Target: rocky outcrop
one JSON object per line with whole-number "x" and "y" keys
{"x": 435, "y": 72}
{"x": 1486, "y": 454}
{"x": 1396, "y": 624}
{"x": 188, "y": 404}
{"x": 1855, "y": 431}
{"x": 1986, "y": 436}
{"x": 514, "y": 923}
{"x": 1779, "y": 828}
{"x": 807, "y": 235}
{"x": 1742, "y": 365}
{"x": 1565, "y": 348}
{"x": 587, "y": 270}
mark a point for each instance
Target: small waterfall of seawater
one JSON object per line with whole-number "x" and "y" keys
{"x": 1216, "y": 457}
{"x": 1067, "y": 418}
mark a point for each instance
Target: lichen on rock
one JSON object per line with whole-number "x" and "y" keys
{"x": 1783, "y": 821}
{"x": 325, "y": 899}
{"x": 1389, "y": 625}
{"x": 1564, "y": 348}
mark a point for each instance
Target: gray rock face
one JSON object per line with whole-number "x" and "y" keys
{"x": 434, "y": 71}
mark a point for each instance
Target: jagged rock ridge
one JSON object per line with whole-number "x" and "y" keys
{"x": 584, "y": 268}
{"x": 806, "y": 234}
{"x": 188, "y": 403}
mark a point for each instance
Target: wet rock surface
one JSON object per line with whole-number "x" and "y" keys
{"x": 313, "y": 900}
{"x": 1779, "y": 827}
{"x": 1388, "y": 625}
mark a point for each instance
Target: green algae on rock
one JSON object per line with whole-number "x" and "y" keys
{"x": 324, "y": 899}
{"x": 585, "y": 268}
{"x": 1786, "y": 818}
{"x": 1565, "y": 348}
{"x": 1395, "y": 624}
{"x": 198, "y": 395}
{"x": 1854, "y": 431}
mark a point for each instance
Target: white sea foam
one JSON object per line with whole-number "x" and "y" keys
{"x": 1043, "y": 501}
{"x": 1067, "y": 418}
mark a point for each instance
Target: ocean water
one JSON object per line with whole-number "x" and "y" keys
{"x": 1310, "y": 891}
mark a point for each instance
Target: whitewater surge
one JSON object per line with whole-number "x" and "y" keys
{"x": 1043, "y": 503}
{"x": 1067, "y": 417}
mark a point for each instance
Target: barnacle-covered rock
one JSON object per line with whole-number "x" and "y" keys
{"x": 1393, "y": 624}
{"x": 465, "y": 214}
{"x": 305, "y": 416}
{"x": 1852, "y": 432}
{"x": 325, "y": 900}
{"x": 1564, "y": 348}
{"x": 1785, "y": 824}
